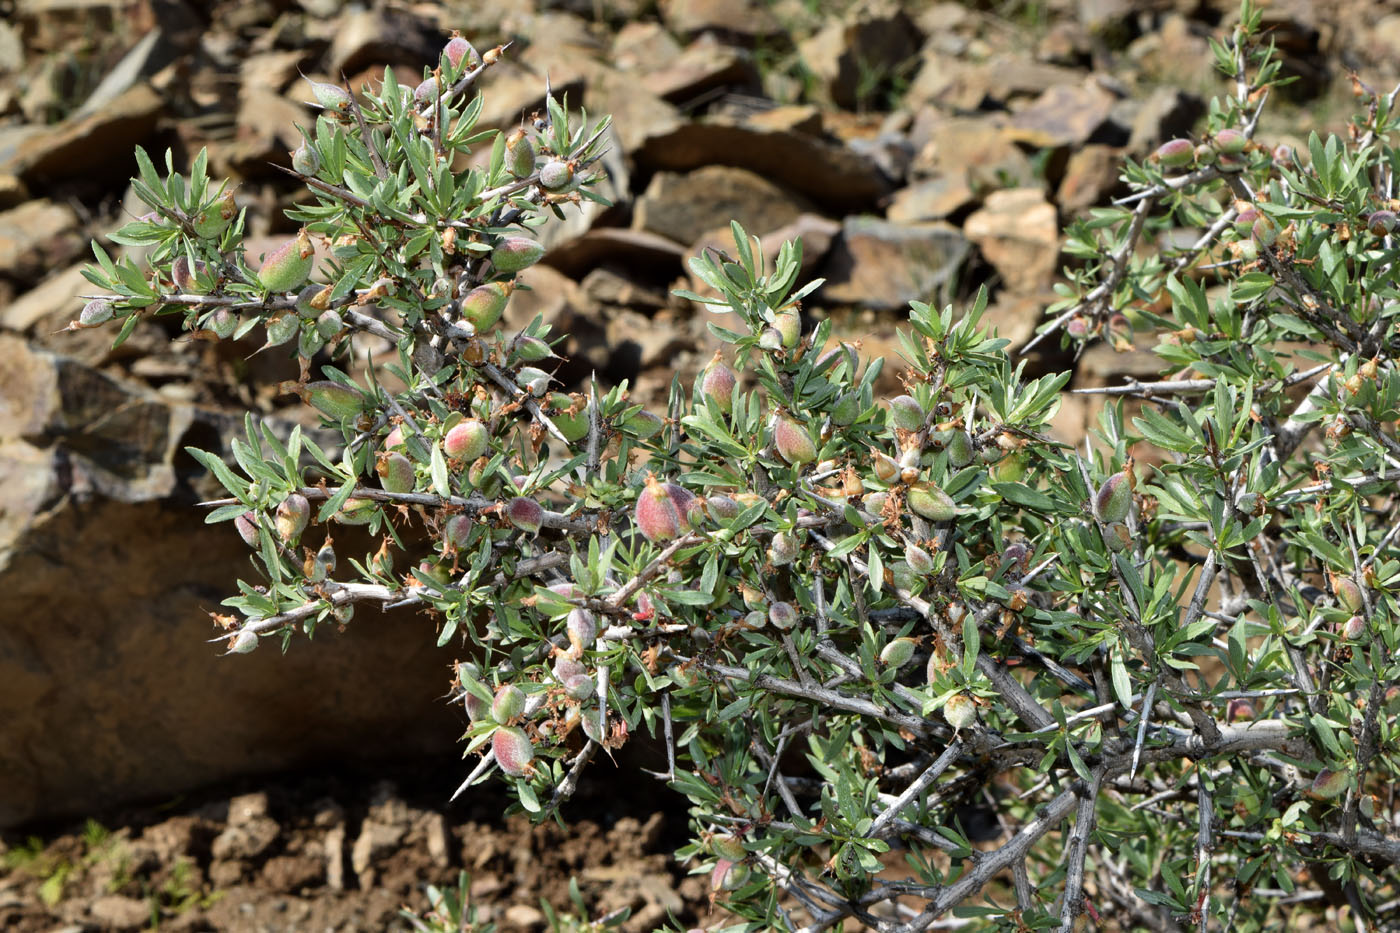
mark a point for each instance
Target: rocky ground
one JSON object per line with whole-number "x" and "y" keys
{"x": 921, "y": 150}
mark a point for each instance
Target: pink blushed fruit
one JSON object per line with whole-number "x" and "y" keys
{"x": 515, "y": 253}
{"x": 782, "y": 615}
{"x": 1380, "y": 223}
{"x": 664, "y": 511}
{"x": 792, "y": 441}
{"x": 718, "y": 384}
{"x": 513, "y": 751}
{"x": 919, "y": 560}
{"x": 1175, "y": 153}
{"x": 466, "y": 440}
{"x": 288, "y": 266}
{"x": 247, "y": 527}
{"x": 525, "y": 514}
{"x": 483, "y": 306}
{"x": 458, "y": 530}
{"x": 293, "y": 513}
{"x": 729, "y": 875}
{"x": 1231, "y": 142}
{"x": 722, "y": 508}
{"x": 396, "y": 472}
{"x": 1347, "y": 592}
{"x": 458, "y": 49}
{"x": 1114, "y": 499}
{"x": 579, "y": 687}
{"x": 1329, "y": 784}
{"x": 582, "y": 627}
{"x": 1354, "y": 628}
{"x": 784, "y": 549}
{"x": 1239, "y": 709}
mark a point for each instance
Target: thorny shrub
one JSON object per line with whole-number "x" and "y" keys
{"x": 1165, "y": 664}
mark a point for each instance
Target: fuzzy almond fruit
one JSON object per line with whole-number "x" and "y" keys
{"x": 514, "y": 752}
{"x": 664, "y": 511}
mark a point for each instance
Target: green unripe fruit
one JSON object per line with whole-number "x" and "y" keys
{"x": 483, "y": 306}
{"x": 897, "y": 653}
{"x": 245, "y": 642}
{"x": 726, "y": 846}
{"x": 328, "y": 324}
{"x": 514, "y": 253}
{"x": 525, "y": 514}
{"x": 97, "y": 311}
{"x": 874, "y": 502}
{"x": 508, "y": 705}
{"x": 886, "y": 467}
{"x": 566, "y": 667}
{"x": 1265, "y": 230}
{"x": 293, "y": 513}
{"x": 960, "y": 711}
{"x": 919, "y": 560}
{"x": 556, "y": 174}
{"x": 288, "y": 266}
{"x": 215, "y": 218}
{"x": 792, "y": 441}
{"x": 960, "y": 452}
{"x": 1011, "y": 469}
{"x": 396, "y": 473}
{"x": 306, "y": 160}
{"x": 643, "y": 425}
{"x": 782, "y": 615}
{"x": 906, "y": 413}
{"x": 282, "y": 327}
{"x": 846, "y": 410}
{"x": 520, "y": 154}
{"x": 572, "y": 424}
{"x": 321, "y": 564}
{"x": 1176, "y": 153}
{"x": 224, "y": 323}
{"x": 931, "y": 502}
{"x": 1231, "y": 142}
{"x": 531, "y": 349}
{"x": 579, "y": 687}
{"x": 788, "y": 324}
{"x": 664, "y": 511}
{"x": 722, "y": 508}
{"x": 1117, "y": 536}
{"x": 466, "y": 440}
{"x": 513, "y": 751}
{"x": 718, "y": 384}
{"x": 1329, "y": 784}
{"x": 784, "y": 549}
{"x": 1114, "y": 499}
{"x": 334, "y": 400}
{"x": 356, "y": 511}
{"x": 729, "y": 876}
{"x": 330, "y": 96}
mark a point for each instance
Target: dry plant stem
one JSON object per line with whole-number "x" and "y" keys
{"x": 922, "y": 783}
{"x": 1073, "y": 902}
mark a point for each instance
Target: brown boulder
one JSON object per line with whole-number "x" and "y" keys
{"x": 884, "y": 266}
{"x": 1019, "y": 234}
{"x": 681, "y": 207}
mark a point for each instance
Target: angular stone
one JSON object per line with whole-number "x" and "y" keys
{"x": 682, "y": 207}
{"x": 1062, "y": 116}
{"x": 99, "y": 143}
{"x": 879, "y": 39}
{"x": 36, "y": 237}
{"x": 933, "y": 199}
{"x": 1018, "y": 233}
{"x": 978, "y": 148}
{"x": 605, "y": 286}
{"x": 705, "y": 64}
{"x": 115, "y": 912}
{"x": 12, "y": 192}
{"x": 645, "y": 47}
{"x": 246, "y": 840}
{"x": 630, "y": 248}
{"x": 830, "y": 174}
{"x": 883, "y": 266}
{"x": 1091, "y": 178}
{"x": 374, "y": 842}
{"x": 370, "y": 37}
{"x": 745, "y": 20}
